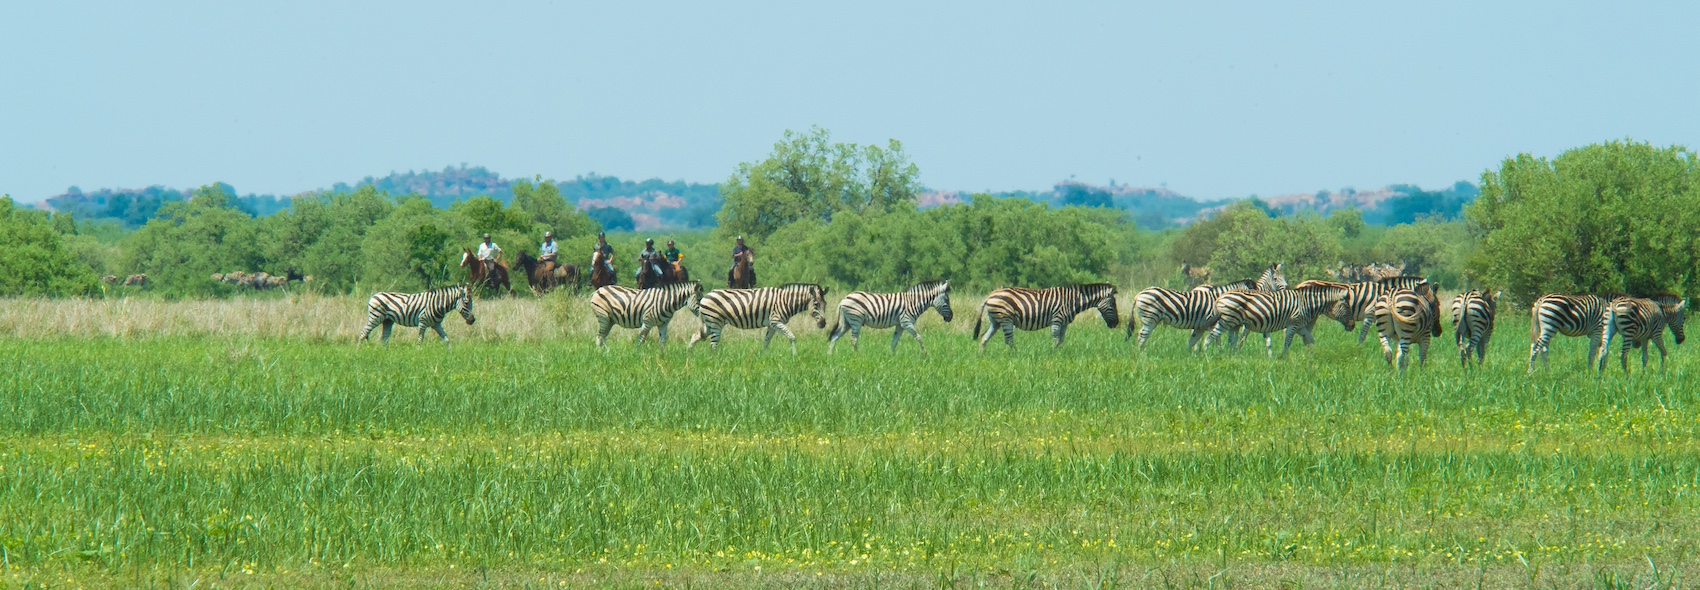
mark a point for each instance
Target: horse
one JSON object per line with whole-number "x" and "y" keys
{"x": 495, "y": 277}
{"x": 543, "y": 279}
{"x": 648, "y": 277}
{"x": 600, "y": 276}
{"x": 742, "y": 275}
{"x": 680, "y": 273}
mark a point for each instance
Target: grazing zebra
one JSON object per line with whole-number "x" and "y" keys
{"x": 1404, "y": 316}
{"x": 889, "y": 310}
{"x": 1570, "y": 315}
{"x": 1641, "y": 321}
{"x": 642, "y": 308}
{"x": 1188, "y": 310}
{"x": 425, "y": 310}
{"x": 766, "y": 307}
{"x": 1293, "y": 310}
{"x": 1472, "y": 322}
{"x": 1031, "y": 309}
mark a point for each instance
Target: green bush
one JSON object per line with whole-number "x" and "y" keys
{"x": 34, "y": 257}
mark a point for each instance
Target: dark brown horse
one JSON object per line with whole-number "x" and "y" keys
{"x": 671, "y": 272}
{"x": 543, "y": 278}
{"x": 600, "y": 276}
{"x": 494, "y": 278}
{"x": 742, "y": 275}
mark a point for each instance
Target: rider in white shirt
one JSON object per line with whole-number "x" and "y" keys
{"x": 548, "y": 251}
{"x": 488, "y": 252}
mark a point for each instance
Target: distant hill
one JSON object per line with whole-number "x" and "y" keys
{"x": 1157, "y": 208}
{"x": 650, "y": 203}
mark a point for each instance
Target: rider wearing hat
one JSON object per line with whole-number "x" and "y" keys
{"x": 649, "y": 259}
{"x": 488, "y": 252}
{"x": 672, "y": 253}
{"x": 546, "y": 253}
{"x": 606, "y": 250}
{"x": 742, "y": 250}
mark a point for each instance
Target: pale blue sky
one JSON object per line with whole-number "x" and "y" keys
{"x": 1215, "y": 99}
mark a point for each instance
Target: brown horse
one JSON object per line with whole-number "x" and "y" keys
{"x": 542, "y": 278}
{"x": 671, "y": 272}
{"x": 494, "y": 278}
{"x": 742, "y": 275}
{"x": 600, "y": 276}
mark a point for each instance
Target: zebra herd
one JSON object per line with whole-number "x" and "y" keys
{"x": 1404, "y": 310}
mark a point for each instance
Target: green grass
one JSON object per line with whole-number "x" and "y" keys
{"x": 173, "y": 460}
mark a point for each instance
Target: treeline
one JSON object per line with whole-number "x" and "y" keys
{"x": 1611, "y": 218}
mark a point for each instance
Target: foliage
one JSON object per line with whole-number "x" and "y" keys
{"x": 190, "y": 240}
{"x": 1243, "y": 240}
{"x": 134, "y": 207}
{"x": 321, "y": 236}
{"x": 1413, "y": 203}
{"x": 414, "y": 247}
{"x": 612, "y": 219}
{"x": 35, "y": 258}
{"x": 808, "y": 177}
{"x": 1426, "y": 248}
{"x": 1606, "y": 218}
{"x": 985, "y": 244}
{"x": 548, "y": 208}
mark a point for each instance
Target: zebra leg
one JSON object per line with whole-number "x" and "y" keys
{"x": 1597, "y": 346}
{"x": 1009, "y": 334}
{"x": 1422, "y": 350}
{"x": 441, "y": 333}
{"x": 788, "y": 336}
{"x": 1145, "y": 333}
{"x": 696, "y": 336}
{"x": 661, "y": 336}
{"x": 365, "y": 333}
{"x": 991, "y": 329}
{"x": 1191, "y": 343}
{"x": 896, "y": 334}
{"x": 918, "y": 341}
{"x": 422, "y": 329}
{"x": 1363, "y": 332}
{"x": 602, "y": 328}
{"x": 768, "y": 337}
{"x": 387, "y": 326}
{"x": 856, "y": 337}
{"x": 1644, "y": 350}
{"x": 1404, "y": 353}
{"x": 643, "y": 333}
{"x": 1659, "y": 341}
{"x": 1058, "y": 331}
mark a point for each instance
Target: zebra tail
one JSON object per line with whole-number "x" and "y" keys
{"x": 836, "y": 321}
{"x": 978, "y": 317}
{"x": 1534, "y": 322}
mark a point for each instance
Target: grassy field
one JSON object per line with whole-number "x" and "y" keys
{"x": 249, "y": 443}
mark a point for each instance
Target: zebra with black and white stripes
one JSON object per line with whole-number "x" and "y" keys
{"x": 1570, "y": 315}
{"x": 1272, "y": 279}
{"x": 766, "y": 307}
{"x": 654, "y": 307}
{"x": 1187, "y": 310}
{"x": 1361, "y": 297}
{"x": 425, "y": 310}
{"x": 1406, "y": 316}
{"x": 1472, "y": 323}
{"x": 1293, "y": 311}
{"x": 889, "y": 310}
{"x": 1641, "y": 321}
{"x": 1031, "y": 309}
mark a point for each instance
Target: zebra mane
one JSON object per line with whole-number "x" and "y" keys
{"x": 450, "y": 289}
{"x": 928, "y": 285}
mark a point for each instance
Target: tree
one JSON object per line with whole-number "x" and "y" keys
{"x": 612, "y": 219}
{"x": 320, "y": 235}
{"x": 190, "y": 240}
{"x": 1243, "y": 240}
{"x": 1605, "y": 218}
{"x": 414, "y": 247}
{"x": 550, "y": 211}
{"x": 34, "y": 259}
{"x": 1423, "y": 247}
{"x": 808, "y": 177}
{"x": 1349, "y": 222}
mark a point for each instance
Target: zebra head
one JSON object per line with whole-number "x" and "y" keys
{"x": 465, "y": 305}
{"x": 1674, "y": 309}
{"x": 1103, "y": 297}
{"x": 692, "y": 291}
{"x": 940, "y": 292}
{"x": 1272, "y": 279}
{"x": 817, "y": 305}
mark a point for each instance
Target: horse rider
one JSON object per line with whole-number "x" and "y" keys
{"x": 606, "y": 250}
{"x": 488, "y": 252}
{"x": 742, "y": 250}
{"x": 546, "y": 253}
{"x": 649, "y": 259}
{"x": 672, "y": 253}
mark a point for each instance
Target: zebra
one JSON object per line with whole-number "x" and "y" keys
{"x": 1570, "y": 315}
{"x": 1641, "y": 321}
{"x": 1188, "y": 310}
{"x": 1031, "y": 309}
{"x": 425, "y": 310}
{"x": 1360, "y": 297}
{"x": 1472, "y": 323}
{"x": 1404, "y": 316}
{"x": 642, "y": 308}
{"x": 1293, "y": 310}
{"x": 889, "y": 310}
{"x": 1272, "y": 279}
{"x": 766, "y": 307}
